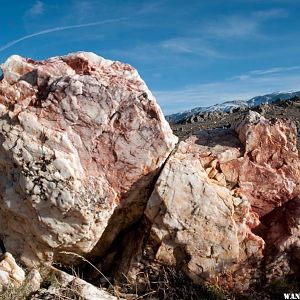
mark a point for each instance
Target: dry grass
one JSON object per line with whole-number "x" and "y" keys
{"x": 19, "y": 293}
{"x": 155, "y": 283}
{"x": 111, "y": 286}
{"x": 277, "y": 288}
{"x": 167, "y": 284}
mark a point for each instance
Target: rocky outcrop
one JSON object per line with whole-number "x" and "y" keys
{"x": 269, "y": 171}
{"x": 11, "y": 275}
{"x": 207, "y": 204}
{"x": 81, "y": 141}
{"x": 82, "y": 144}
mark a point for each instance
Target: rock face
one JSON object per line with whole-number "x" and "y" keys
{"x": 281, "y": 231}
{"x": 269, "y": 173}
{"x": 211, "y": 193}
{"x": 10, "y": 273}
{"x": 81, "y": 140}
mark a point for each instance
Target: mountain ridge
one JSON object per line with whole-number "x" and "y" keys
{"x": 229, "y": 106}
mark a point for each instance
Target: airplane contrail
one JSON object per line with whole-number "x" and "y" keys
{"x": 26, "y": 37}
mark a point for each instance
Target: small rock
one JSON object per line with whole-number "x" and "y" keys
{"x": 34, "y": 280}
{"x": 10, "y": 273}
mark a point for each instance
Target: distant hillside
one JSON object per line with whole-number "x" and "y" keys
{"x": 204, "y": 121}
{"x": 231, "y": 106}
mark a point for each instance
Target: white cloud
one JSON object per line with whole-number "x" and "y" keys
{"x": 239, "y": 26}
{"x": 271, "y": 13}
{"x": 190, "y": 46}
{"x": 274, "y": 70}
{"x": 231, "y": 26}
{"x": 182, "y": 50}
{"x": 37, "y": 9}
{"x": 203, "y": 43}
{"x": 151, "y": 7}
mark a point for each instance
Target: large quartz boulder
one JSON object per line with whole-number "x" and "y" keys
{"x": 82, "y": 138}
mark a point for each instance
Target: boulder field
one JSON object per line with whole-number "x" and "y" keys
{"x": 86, "y": 154}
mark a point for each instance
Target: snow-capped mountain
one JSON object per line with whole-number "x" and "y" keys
{"x": 230, "y": 105}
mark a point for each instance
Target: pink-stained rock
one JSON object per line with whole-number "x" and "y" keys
{"x": 269, "y": 172}
{"x": 197, "y": 223}
{"x": 81, "y": 139}
{"x": 284, "y": 226}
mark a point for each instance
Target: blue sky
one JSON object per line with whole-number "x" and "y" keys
{"x": 189, "y": 52}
